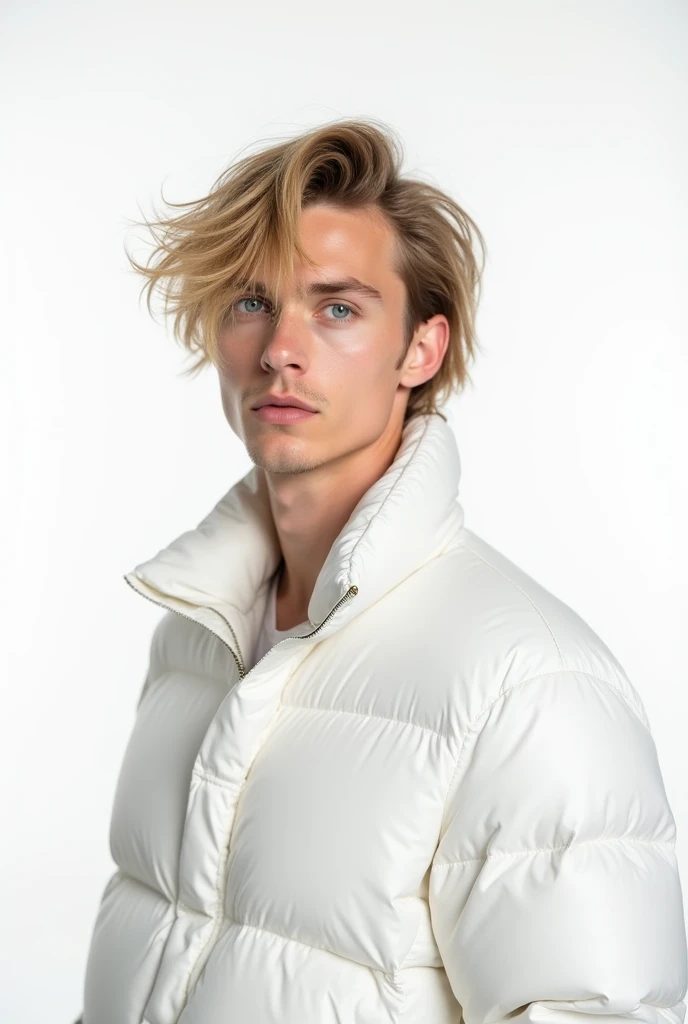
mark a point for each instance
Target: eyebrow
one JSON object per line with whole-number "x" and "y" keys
{"x": 344, "y": 284}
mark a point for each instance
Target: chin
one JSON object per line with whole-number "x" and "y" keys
{"x": 281, "y": 454}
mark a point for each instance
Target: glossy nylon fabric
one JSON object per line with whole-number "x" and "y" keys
{"x": 445, "y": 801}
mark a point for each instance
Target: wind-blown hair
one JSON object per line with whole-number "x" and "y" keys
{"x": 205, "y": 258}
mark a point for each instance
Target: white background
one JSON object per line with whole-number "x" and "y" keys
{"x": 560, "y": 127}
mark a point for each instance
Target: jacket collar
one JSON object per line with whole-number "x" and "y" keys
{"x": 407, "y": 517}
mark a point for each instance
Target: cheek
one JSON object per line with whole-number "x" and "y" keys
{"x": 235, "y": 358}
{"x": 233, "y": 374}
{"x": 362, "y": 366}
{"x": 228, "y": 396}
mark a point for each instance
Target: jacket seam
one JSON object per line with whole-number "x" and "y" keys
{"x": 308, "y": 945}
{"x": 217, "y": 916}
{"x": 443, "y": 735}
{"x": 470, "y": 728}
{"x": 368, "y": 714}
{"x": 124, "y": 873}
{"x": 280, "y": 935}
{"x": 525, "y": 594}
{"x": 207, "y": 776}
{"x": 393, "y": 975}
{"x": 670, "y": 843}
{"x": 564, "y": 668}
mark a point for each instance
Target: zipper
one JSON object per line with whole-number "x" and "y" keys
{"x": 241, "y": 667}
{"x": 237, "y": 658}
{"x": 351, "y": 592}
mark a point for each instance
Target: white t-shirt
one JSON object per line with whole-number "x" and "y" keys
{"x": 269, "y": 635}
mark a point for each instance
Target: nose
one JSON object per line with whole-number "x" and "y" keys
{"x": 287, "y": 343}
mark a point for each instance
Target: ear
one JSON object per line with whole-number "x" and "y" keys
{"x": 426, "y": 351}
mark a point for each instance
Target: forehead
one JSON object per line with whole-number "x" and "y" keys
{"x": 363, "y": 236}
{"x": 352, "y": 248}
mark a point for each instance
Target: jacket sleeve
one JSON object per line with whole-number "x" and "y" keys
{"x": 554, "y": 889}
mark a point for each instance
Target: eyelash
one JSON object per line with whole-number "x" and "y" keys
{"x": 262, "y": 299}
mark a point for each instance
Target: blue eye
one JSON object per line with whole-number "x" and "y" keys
{"x": 251, "y": 298}
{"x": 259, "y": 300}
{"x": 340, "y": 305}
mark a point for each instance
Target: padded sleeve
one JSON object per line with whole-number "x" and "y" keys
{"x": 155, "y": 656}
{"x": 554, "y": 889}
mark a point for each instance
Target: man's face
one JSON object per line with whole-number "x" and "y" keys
{"x": 334, "y": 349}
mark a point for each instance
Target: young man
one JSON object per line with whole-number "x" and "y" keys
{"x": 377, "y": 773}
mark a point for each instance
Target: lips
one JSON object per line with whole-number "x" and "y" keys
{"x": 283, "y": 414}
{"x": 283, "y": 403}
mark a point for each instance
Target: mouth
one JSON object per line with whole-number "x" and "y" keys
{"x": 283, "y": 414}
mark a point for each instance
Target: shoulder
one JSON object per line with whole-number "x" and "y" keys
{"x": 495, "y": 627}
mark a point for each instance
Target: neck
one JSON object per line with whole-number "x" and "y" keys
{"x": 310, "y": 510}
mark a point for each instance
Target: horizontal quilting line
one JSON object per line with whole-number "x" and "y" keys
{"x": 215, "y": 780}
{"x": 185, "y": 909}
{"x": 146, "y": 885}
{"x": 669, "y": 843}
{"x": 367, "y": 714}
{"x": 299, "y": 942}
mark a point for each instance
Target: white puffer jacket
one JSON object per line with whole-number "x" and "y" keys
{"x": 444, "y": 800}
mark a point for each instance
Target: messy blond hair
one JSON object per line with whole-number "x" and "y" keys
{"x": 205, "y": 258}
